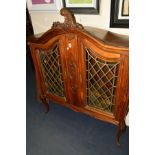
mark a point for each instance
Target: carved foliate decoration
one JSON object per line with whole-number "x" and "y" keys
{"x": 69, "y": 21}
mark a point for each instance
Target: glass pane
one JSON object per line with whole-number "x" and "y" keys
{"x": 101, "y": 82}
{"x": 52, "y": 72}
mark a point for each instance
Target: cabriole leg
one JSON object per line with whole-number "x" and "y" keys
{"x": 45, "y": 102}
{"x": 121, "y": 130}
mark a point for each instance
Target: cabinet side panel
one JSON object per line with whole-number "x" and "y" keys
{"x": 122, "y": 95}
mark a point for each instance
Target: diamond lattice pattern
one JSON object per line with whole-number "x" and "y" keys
{"x": 101, "y": 82}
{"x": 52, "y": 72}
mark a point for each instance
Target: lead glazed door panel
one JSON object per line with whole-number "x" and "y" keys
{"x": 100, "y": 75}
{"x": 51, "y": 69}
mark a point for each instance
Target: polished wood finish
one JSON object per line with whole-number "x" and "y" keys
{"x": 73, "y": 39}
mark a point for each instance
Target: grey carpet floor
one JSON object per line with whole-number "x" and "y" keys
{"x": 64, "y": 132}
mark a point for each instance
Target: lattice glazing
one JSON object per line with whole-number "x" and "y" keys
{"x": 101, "y": 82}
{"x": 52, "y": 72}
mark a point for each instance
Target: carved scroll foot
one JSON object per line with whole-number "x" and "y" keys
{"x": 45, "y": 102}
{"x": 121, "y": 130}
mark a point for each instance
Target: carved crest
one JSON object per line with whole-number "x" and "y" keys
{"x": 69, "y": 20}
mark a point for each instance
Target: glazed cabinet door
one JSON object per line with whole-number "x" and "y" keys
{"x": 101, "y": 85}
{"x": 50, "y": 67}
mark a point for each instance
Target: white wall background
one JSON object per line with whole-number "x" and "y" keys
{"x": 42, "y": 21}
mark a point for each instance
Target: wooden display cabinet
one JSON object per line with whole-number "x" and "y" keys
{"x": 83, "y": 68}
